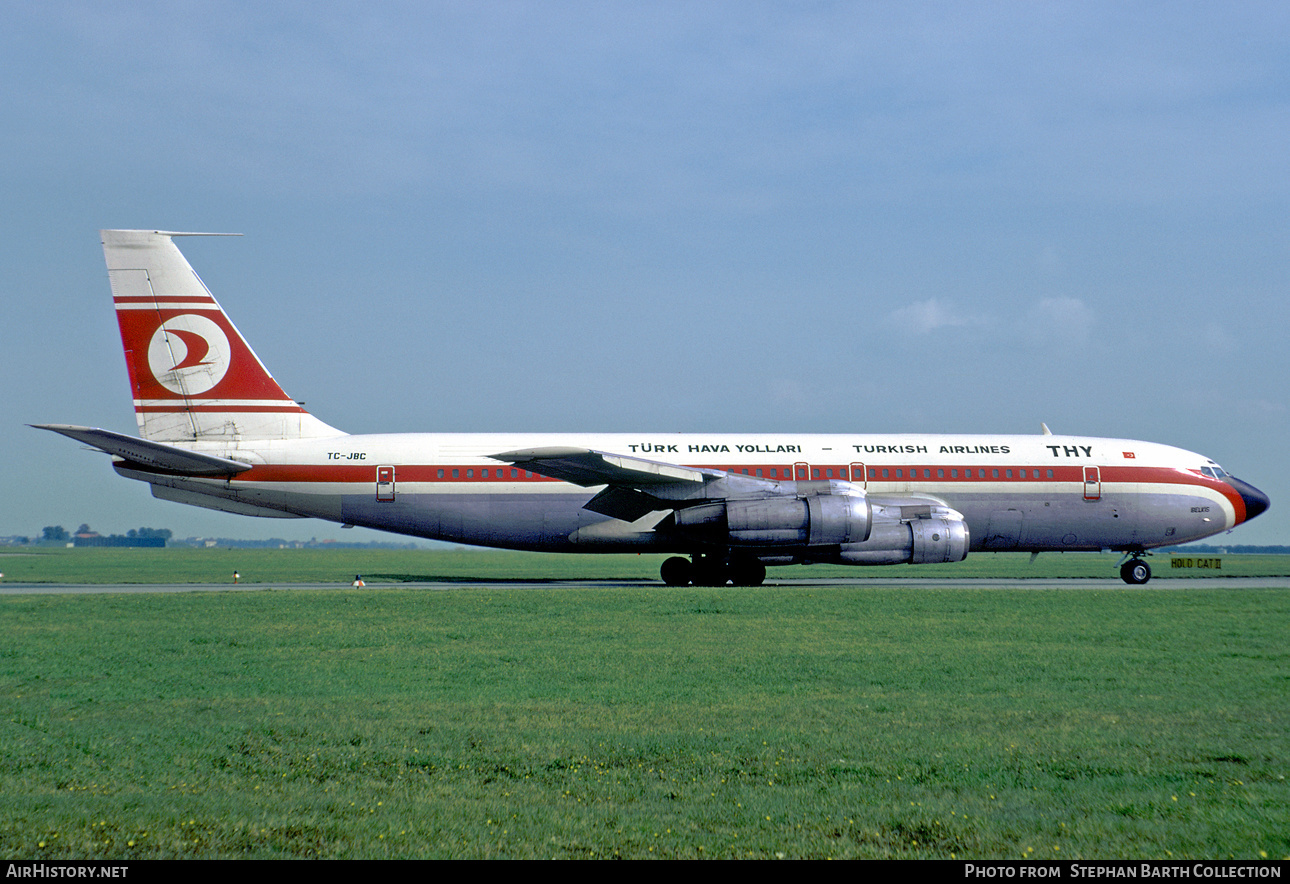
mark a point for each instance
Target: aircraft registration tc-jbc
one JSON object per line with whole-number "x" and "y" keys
{"x": 216, "y": 430}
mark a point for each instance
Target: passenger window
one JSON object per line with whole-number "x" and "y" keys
{"x": 996, "y": 474}
{"x": 1050, "y": 474}
{"x": 456, "y": 474}
{"x": 1007, "y": 473}
{"x": 940, "y": 474}
{"x": 954, "y": 474}
{"x": 441, "y": 474}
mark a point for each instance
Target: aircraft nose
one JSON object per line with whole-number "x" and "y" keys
{"x": 1255, "y": 500}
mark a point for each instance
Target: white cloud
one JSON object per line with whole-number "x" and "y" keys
{"x": 1057, "y": 320}
{"x": 923, "y": 317}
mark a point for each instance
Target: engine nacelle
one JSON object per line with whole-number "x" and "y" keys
{"x": 822, "y": 520}
{"x": 923, "y": 541}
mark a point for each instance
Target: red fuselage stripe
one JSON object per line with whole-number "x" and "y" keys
{"x": 421, "y": 473}
{"x": 430, "y": 473}
{"x": 183, "y": 405}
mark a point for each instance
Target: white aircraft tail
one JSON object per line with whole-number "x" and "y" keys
{"x": 192, "y": 373}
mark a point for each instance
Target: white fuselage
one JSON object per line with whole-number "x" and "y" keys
{"x": 1015, "y": 492}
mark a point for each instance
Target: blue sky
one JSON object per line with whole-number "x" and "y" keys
{"x": 853, "y": 217}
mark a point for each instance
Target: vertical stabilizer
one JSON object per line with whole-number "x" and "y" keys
{"x": 192, "y": 374}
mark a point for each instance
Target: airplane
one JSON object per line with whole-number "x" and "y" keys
{"x": 216, "y": 430}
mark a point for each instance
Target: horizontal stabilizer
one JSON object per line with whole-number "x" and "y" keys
{"x": 148, "y": 453}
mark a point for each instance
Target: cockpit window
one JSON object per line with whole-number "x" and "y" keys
{"x": 1214, "y": 472}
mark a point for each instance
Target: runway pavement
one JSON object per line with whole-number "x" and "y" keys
{"x": 1157, "y": 583}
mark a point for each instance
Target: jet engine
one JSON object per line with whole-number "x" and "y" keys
{"x": 939, "y": 537}
{"x": 822, "y": 520}
{"x": 846, "y": 528}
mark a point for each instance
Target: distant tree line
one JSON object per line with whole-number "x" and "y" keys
{"x": 280, "y": 543}
{"x": 86, "y": 536}
{"x": 156, "y": 537}
{"x": 1233, "y": 549}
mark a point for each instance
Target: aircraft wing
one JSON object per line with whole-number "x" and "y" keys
{"x": 634, "y": 486}
{"x": 148, "y": 453}
{"x": 588, "y": 468}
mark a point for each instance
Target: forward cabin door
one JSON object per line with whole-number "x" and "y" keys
{"x": 1092, "y": 483}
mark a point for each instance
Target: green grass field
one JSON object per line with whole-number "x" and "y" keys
{"x": 484, "y": 720}
{"x": 98, "y": 566}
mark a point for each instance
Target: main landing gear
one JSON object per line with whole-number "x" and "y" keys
{"x": 708, "y": 570}
{"x": 1135, "y": 571}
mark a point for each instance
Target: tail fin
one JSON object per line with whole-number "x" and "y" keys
{"x": 193, "y": 375}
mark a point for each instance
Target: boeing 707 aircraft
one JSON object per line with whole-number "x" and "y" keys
{"x": 216, "y": 430}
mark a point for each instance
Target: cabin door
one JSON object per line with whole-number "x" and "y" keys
{"x": 385, "y": 483}
{"x": 1092, "y": 483}
{"x": 858, "y": 476}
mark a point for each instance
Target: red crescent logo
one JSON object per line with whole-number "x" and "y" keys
{"x": 201, "y": 348}
{"x": 196, "y": 345}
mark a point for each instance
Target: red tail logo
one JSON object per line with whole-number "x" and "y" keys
{"x": 189, "y": 354}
